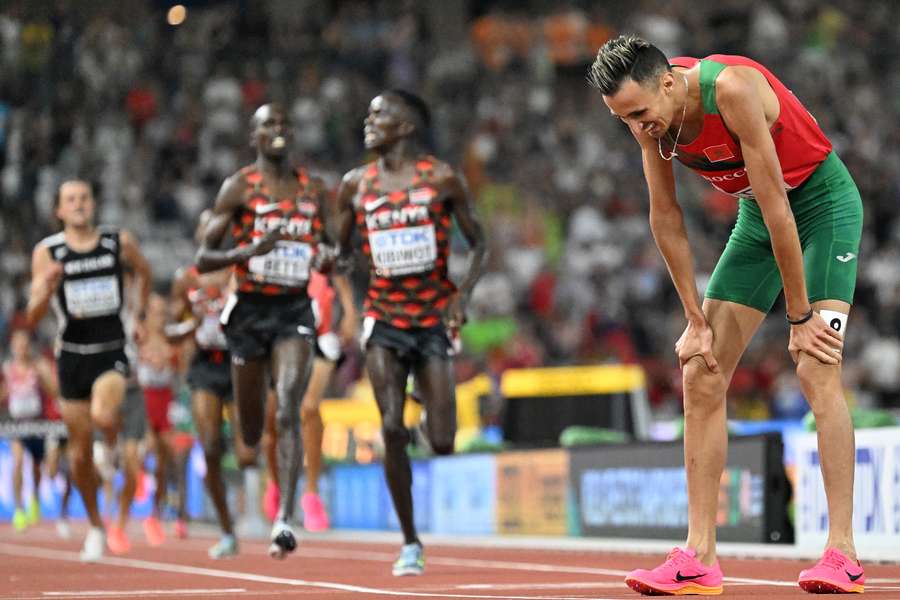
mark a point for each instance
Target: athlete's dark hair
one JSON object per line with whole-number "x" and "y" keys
{"x": 418, "y": 106}
{"x": 57, "y": 196}
{"x": 626, "y": 57}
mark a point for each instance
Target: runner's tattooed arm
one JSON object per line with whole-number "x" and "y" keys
{"x": 210, "y": 256}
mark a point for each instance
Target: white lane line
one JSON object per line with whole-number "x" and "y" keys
{"x": 752, "y": 581}
{"x": 572, "y": 585}
{"x": 21, "y": 550}
{"x": 508, "y": 565}
{"x": 505, "y": 565}
{"x": 344, "y": 554}
{"x": 102, "y": 593}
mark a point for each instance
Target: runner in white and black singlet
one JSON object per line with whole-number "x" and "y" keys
{"x": 80, "y": 271}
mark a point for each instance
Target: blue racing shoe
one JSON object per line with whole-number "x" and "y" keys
{"x": 411, "y": 561}
{"x": 226, "y": 547}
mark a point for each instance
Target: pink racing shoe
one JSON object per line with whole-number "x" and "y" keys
{"x": 314, "y": 516}
{"x": 834, "y": 574}
{"x": 271, "y": 500}
{"x": 681, "y": 574}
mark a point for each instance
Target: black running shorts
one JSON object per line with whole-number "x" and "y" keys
{"x": 413, "y": 346}
{"x": 253, "y": 323}
{"x": 78, "y": 372}
{"x": 210, "y": 371}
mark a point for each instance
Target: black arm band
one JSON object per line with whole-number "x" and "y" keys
{"x": 806, "y": 317}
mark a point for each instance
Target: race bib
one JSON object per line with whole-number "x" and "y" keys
{"x": 403, "y": 251}
{"x": 92, "y": 297}
{"x": 286, "y": 264}
{"x": 25, "y": 404}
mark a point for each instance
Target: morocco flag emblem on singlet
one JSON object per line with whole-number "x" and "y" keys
{"x": 718, "y": 153}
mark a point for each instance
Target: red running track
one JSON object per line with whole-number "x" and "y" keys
{"x": 36, "y": 565}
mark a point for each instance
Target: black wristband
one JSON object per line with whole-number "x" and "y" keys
{"x": 806, "y": 317}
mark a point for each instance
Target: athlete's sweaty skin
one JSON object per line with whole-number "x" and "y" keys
{"x": 290, "y": 357}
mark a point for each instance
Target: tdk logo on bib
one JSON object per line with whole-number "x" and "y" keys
{"x": 402, "y": 237}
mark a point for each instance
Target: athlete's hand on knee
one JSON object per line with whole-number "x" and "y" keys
{"x": 816, "y": 338}
{"x": 697, "y": 340}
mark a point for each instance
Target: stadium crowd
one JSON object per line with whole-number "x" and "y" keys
{"x": 156, "y": 115}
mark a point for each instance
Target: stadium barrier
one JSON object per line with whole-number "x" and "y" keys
{"x": 632, "y": 490}
{"x": 876, "y": 492}
{"x": 628, "y": 490}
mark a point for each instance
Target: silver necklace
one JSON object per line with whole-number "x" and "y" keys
{"x": 674, "y": 152}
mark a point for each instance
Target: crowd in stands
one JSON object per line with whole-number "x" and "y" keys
{"x": 157, "y": 116}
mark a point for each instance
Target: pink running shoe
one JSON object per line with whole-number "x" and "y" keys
{"x": 271, "y": 500}
{"x": 181, "y": 529}
{"x": 681, "y": 574}
{"x": 314, "y": 516}
{"x": 834, "y": 574}
{"x": 117, "y": 540}
{"x": 154, "y": 532}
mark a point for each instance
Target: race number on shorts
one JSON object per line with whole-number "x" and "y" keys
{"x": 92, "y": 297}
{"x": 404, "y": 250}
{"x": 286, "y": 264}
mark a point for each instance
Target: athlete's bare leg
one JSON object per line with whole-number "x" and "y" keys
{"x": 107, "y": 395}
{"x": 36, "y": 477}
{"x": 163, "y": 449}
{"x": 270, "y": 437}
{"x": 131, "y": 467}
{"x": 18, "y": 452}
{"x": 436, "y": 383}
{"x": 246, "y": 455}
{"x": 705, "y": 430}
{"x": 53, "y": 469}
{"x": 250, "y": 384}
{"x": 822, "y": 387}
{"x": 292, "y": 360}
{"x": 67, "y": 493}
{"x": 207, "y": 409}
{"x": 388, "y": 377}
{"x": 311, "y": 422}
{"x": 77, "y": 416}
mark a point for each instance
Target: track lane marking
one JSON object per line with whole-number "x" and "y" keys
{"x": 102, "y": 593}
{"x": 37, "y": 552}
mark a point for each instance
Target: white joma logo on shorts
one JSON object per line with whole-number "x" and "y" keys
{"x": 846, "y": 258}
